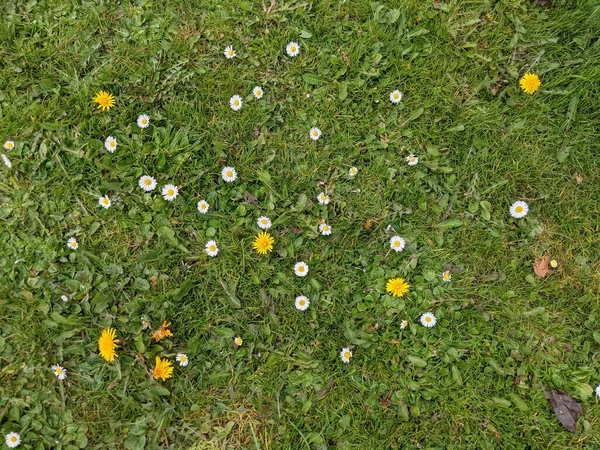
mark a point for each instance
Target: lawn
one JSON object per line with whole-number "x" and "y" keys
{"x": 504, "y": 335}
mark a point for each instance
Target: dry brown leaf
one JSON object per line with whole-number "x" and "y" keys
{"x": 540, "y": 266}
{"x": 578, "y": 179}
{"x": 566, "y": 409}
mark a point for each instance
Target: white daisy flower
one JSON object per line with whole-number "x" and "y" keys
{"x": 12, "y": 439}
{"x": 258, "y": 92}
{"x": 292, "y": 49}
{"x": 301, "y": 269}
{"x": 211, "y": 248}
{"x": 64, "y": 298}
{"x": 72, "y": 243}
{"x": 412, "y": 160}
{"x": 428, "y": 320}
{"x": 235, "y": 102}
{"x": 519, "y": 209}
{"x": 403, "y": 324}
{"x": 264, "y": 222}
{"x": 325, "y": 229}
{"x": 229, "y": 174}
{"x": 9, "y": 145}
{"x": 323, "y": 198}
{"x": 147, "y": 183}
{"x": 314, "y": 133}
{"x": 598, "y": 391}
{"x": 302, "y": 303}
{"x": 59, "y": 372}
{"x": 397, "y": 243}
{"x": 238, "y": 341}
{"x": 170, "y": 192}
{"x": 104, "y": 202}
{"x": 553, "y": 263}
{"x": 203, "y": 206}
{"x": 396, "y": 96}
{"x": 6, "y": 161}
{"x": 182, "y": 359}
{"x": 229, "y": 52}
{"x": 143, "y": 121}
{"x": 110, "y": 144}
{"x": 353, "y": 171}
{"x": 446, "y": 276}
{"x": 346, "y": 354}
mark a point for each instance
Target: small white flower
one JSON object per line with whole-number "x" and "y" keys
{"x": 325, "y": 229}
{"x": 598, "y": 391}
{"x": 64, "y": 298}
{"x": 235, "y": 102}
{"x": 9, "y": 145}
{"x": 301, "y": 269}
{"x": 397, "y": 243}
{"x": 323, "y": 198}
{"x": 292, "y": 49}
{"x": 72, "y": 243}
{"x": 143, "y": 121}
{"x": 229, "y": 52}
{"x": 12, "y": 439}
{"x": 446, "y": 276}
{"x": 6, "y": 161}
{"x": 229, "y": 174}
{"x": 258, "y": 92}
{"x": 59, "y": 372}
{"x": 264, "y": 222}
{"x": 147, "y": 183}
{"x": 110, "y": 144}
{"x": 104, "y": 202}
{"x": 396, "y": 96}
{"x": 519, "y": 209}
{"x": 346, "y": 354}
{"x": 314, "y": 133}
{"x": 182, "y": 359}
{"x": 428, "y": 320}
{"x": 238, "y": 341}
{"x": 403, "y": 324}
{"x": 170, "y": 192}
{"x": 302, "y": 303}
{"x": 353, "y": 171}
{"x": 203, "y": 206}
{"x": 211, "y": 248}
{"x": 412, "y": 160}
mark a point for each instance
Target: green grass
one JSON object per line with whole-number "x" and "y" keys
{"x": 476, "y": 380}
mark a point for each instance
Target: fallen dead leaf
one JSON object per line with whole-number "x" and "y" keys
{"x": 578, "y": 179}
{"x": 540, "y": 266}
{"x": 566, "y": 409}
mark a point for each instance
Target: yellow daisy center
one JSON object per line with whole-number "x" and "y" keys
{"x": 325, "y": 228}
{"x": 105, "y": 201}
{"x": 212, "y": 248}
{"x": 302, "y": 303}
{"x": 238, "y": 341}
{"x": 170, "y": 192}
{"x": 59, "y": 371}
{"x": 13, "y": 439}
{"x": 301, "y": 269}
{"x": 229, "y": 173}
{"x": 9, "y": 145}
{"x": 236, "y": 102}
{"x": 396, "y": 95}
{"x": 258, "y": 92}
{"x": 323, "y": 197}
{"x": 519, "y": 209}
{"x": 293, "y": 48}
{"x": 397, "y": 243}
{"x": 147, "y": 182}
{"x": 427, "y": 319}
{"x": 347, "y": 355}
{"x": 446, "y": 276}
{"x": 144, "y": 121}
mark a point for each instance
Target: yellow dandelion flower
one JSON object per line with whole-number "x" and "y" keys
{"x": 530, "y": 83}
{"x": 107, "y": 343}
{"x": 397, "y": 287}
{"x": 162, "y": 332}
{"x": 105, "y": 100}
{"x": 263, "y": 243}
{"x": 163, "y": 369}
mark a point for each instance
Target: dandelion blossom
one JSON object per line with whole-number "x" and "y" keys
{"x": 530, "y": 83}
{"x": 446, "y": 276}
{"x": 264, "y": 222}
{"x": 314, "y": 133}
{"x": 229, "y": 52}
{"x": 397, "y": 243}
{"x": 519, "y": 209}
{"x": 229, "y": 174}
{"x": 235, "y": 102}
{"x": 72, "y": 243}
{"x": 346, "y": 354}
{"x": 323, "y": 198}
{"x": 12, "y": 439}
{"x": 396, "y": 96}
{"x": 412, "y": 160}
{"x": 258, "y": 92}
{"x": 143, "y": 121}
{"x": 104, "y": 202}
{"x": 302, "y": 303}
{"x": 211, "y": 248}
{"x": 263, "y": 243}
{"x": 238, "y": 341}
{"x": 147, "y": 183}
{"x": 162, "y": 332}
{"x": 428, "y": 320}
{"x": 170, "y": 192}
{"x": 397, "y": 287}
{"x": 203, "y": 206}
{"x": 9, "y": 145}
{"x": 403, "y": 324}
{"x": 107, "y": 343}
{"x": 353, "y": 171}
{"x": 163, "y": 369}
{"x": 59, "y": 371}
{"x": 325, "y": 229}
{"x": 110, "y": 144}
{"x": 6, "y": 161}
{"x": 301, "y": 269}
{"x": 292, "y": 49}
{"x": 105, "y": 100}
{"x": 182, "y": 359}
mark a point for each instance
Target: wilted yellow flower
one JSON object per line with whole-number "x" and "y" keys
{"x": 162, "y": 332}
{"x": 163, "y": 369}
{"x": 263, "y": 243}
{"x": 107, "y": 343}
{"x": 530, "y": 83}
{"x": 105, "y": 100}
{"x": 397, "y": 287}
